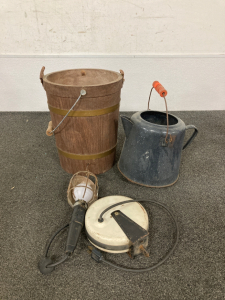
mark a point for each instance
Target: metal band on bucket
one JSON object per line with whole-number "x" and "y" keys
{"x": 83, "y": 113}
{"x": 86, "y": 156}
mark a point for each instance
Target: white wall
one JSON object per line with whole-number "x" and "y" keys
{"x": 180, "y": 43}
{"x": 193, "y": 83}
{"x": 112, "y": 26}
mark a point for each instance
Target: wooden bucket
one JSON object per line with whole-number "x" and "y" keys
{"x": 87, "y": 138}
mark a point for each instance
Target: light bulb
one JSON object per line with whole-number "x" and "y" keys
{"x": 79, "y": 192}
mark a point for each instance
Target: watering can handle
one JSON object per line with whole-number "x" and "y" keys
{"x": 162, "y": 92}
{"x": 193, "y": 135}
{"x": 159, "y": 88}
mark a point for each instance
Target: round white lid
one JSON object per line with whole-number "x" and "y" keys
{"x": 108, "y": 233}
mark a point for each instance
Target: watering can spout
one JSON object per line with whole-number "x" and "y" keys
{"x": 127, "y": 125}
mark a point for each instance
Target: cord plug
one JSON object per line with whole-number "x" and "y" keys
{"x": 97, "y": 255}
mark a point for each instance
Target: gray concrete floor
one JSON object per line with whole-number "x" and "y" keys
{"x": 33, "y": 206}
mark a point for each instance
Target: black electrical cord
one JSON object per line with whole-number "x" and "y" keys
{"x": 58, "y": 262}
{"x": 49, "y": 244}
{"x": 100, "y": 219}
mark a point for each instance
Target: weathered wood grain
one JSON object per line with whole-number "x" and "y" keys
{"x": 85, "y": 135}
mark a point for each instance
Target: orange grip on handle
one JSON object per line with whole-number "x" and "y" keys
{"x": 159, "y": 88}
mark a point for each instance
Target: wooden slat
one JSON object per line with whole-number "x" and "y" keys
{"x": 86, "y": 135}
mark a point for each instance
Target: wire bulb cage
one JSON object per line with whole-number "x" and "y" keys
{"x": 83, "y": 186}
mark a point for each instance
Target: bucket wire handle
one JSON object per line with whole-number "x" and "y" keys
{"x": 162, "y": 92}
{"x": 48, "y": 132}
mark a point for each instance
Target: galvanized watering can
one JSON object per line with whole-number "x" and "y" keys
{"x": 152, "y": 149}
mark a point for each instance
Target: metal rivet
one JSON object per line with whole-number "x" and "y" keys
{"x": 116, "y": 213}
{"x": 83, "y": 92}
